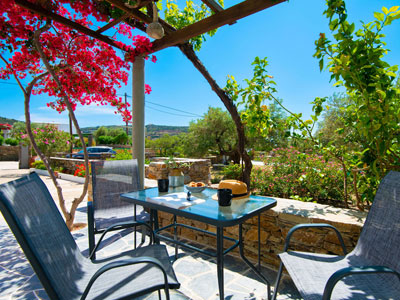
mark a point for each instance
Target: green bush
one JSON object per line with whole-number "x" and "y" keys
{"x": 232, "y": 172}
{"x": 11, "y": 142}
{"x": 1, "y": 140}
{"x": 123, "y": 154}
{"x": 303, "y": 176}
{"x": 105, "y": 140}
{"x": 121, "y": 138}
{"x": 38, "y": 164}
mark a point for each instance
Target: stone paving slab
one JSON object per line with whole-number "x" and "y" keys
{"x": 195, "y": 271}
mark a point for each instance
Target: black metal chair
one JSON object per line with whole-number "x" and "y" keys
{"x": 370, "y": 271}
{"x": 107, "y": 212}
{"x": 65, "y": 273}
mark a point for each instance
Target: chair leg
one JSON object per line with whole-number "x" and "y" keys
{"x": 92, "y": 243}
{"x": 144, "y": 233}
{"x": 278, "y": 279}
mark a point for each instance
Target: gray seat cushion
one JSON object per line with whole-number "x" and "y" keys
{"x": 310, "y": 273}
{"x": 50, "y": 248}
{"x": 123, "y": 281}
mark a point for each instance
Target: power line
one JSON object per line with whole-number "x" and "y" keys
{"x": 196, "y": 115}
{"x": 12, "y": 83}
{"x": 189, "y": 114}
{"x": 168, "y": 107}
{"x": 167, "y": 112}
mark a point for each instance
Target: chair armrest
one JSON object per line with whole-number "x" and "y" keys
{"x": 313, "y": 225}
{"x": 123, "y": 225}
{"x": 339, "y": 274}
{"x": 123, "y": 263}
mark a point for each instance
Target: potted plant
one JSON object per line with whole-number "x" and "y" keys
{"x": 175, "y": 174}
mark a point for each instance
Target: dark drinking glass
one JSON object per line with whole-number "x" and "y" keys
{"x": 224, "y": 197}
{"x": 163, "y": 185}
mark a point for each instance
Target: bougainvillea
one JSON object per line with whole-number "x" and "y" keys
{"x": 89, "y": 70}
{"x": 65, "y": 64}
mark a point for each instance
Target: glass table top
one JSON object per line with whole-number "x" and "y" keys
{"x": 208, "y": 211}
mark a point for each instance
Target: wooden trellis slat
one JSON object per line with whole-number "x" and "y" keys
{"x": 113, "y": 23}
{"x": 217, "y": 20}
{"x": 173, "y": 36}
{"x": 214, "y": 5}
{"x": 67, "y": 22}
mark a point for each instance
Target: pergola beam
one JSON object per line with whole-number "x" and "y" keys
{"x": 113, "y": 23}
{"x": 45, "y": 13}
{"x": 219, "y": 19}
{"x": 142, "y": 3}
{"x": 213, "y": 5}
{"x": 131, "y": 10}
{"x": 137, "y": 14}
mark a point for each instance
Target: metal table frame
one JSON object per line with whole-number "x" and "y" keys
{"x": 137, "y": 198}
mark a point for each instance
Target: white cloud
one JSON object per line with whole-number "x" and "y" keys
{"x": 87, "y": 110}
{"x": 39, "y": 118}
{"x": 94, "y": 110}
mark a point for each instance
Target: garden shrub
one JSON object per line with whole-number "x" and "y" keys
{"x": 49, "y": 139}
{"x": 304, "y": 176}
{"x": 38, "y": 164}
{"x": 105, "y": 140}
{"x": 11, "y": 142}
{"x": 1, "y": 140}
{"x": 121, "y": 138}
{"x": 233, "y": 171}
{"x": 123, "y": 154}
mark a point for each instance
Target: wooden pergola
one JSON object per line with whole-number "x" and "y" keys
{"x": 133, "y": 16}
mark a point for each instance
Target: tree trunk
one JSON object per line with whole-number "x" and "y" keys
{"x": 188, "y": 51}
{"x": 69, "y": 215}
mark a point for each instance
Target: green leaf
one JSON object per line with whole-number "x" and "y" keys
{"x": 385, "y": 10}
{"x": 393, "y": 9}
{"x": 379, "y": 16}
{"x": 396, "y": 16}
{"x": 321, "y": 64}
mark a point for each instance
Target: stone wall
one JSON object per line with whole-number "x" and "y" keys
{"x": 199, "y": 169}
{"x": 9, "y": 153}
{"x": 68, "y": 164}
{"x": 275, "y": 225}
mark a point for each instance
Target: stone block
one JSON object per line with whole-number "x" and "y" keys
{"x": 252, "y": 235}
{"x": 296, "y": 219}
{"x": 333, "y": 248}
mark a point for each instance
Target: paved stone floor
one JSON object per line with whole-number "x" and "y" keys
{"x": 196, "y": 272}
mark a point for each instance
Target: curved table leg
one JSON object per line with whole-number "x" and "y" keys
{"x": 220, "y": 261}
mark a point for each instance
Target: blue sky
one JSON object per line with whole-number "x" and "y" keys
{"x": 284, "y": 33}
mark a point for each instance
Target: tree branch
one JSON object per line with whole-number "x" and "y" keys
{"x": 76, "y": 201}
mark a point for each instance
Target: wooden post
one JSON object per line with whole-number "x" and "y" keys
{"x": 138, "y": 115}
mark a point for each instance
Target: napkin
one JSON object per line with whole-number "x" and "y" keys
{"x": 175, "y": 200}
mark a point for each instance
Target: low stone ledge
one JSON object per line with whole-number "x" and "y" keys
{"x": 9, "y": 153}
{"x": 68, "y": 164}
{"x": 199, "y": 169}
{"x": 276, "y": 223}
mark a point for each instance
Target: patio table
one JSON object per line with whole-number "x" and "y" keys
{"x": 211, "y": 213}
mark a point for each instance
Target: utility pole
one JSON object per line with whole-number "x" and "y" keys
{"x": 126, "y": 122}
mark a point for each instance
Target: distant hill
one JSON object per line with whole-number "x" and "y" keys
{"x": 156, "y": 131}
{"x": 152, "y": 131}
{"x": 8, "y": 121}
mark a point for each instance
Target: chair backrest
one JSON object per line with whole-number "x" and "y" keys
{"x": 39, "y": 228}
{"x": 110, "y": 178}
{"x": 379, "y": 241}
